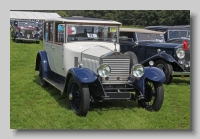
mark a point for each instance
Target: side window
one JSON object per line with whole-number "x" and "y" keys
{"x": 46, "y": 30}
{"x": 71, "y": 32}
{"x": 51, "y": 31}
{"x": 59, "y": 32}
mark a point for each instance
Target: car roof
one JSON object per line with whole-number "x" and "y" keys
{"x": 139, "y": 30}
{"x": 80, "y": 19}
{"x": 163, "y": 27}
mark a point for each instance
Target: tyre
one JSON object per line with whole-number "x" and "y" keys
{"x": 43, "y": 83}
{"x": 167, "y": 69}
{"x": 78, "y": 97}
{"x": 154, "y": 96}
{"x": 133, "y": 58}
{"x": 13, "y": 35}
{"x": 16, "y": 40}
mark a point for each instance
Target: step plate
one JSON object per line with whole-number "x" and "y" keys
{"x": 59, "y": 86}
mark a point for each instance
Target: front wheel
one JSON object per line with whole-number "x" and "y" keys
{"x": 166, "y": 68}
{"x": 79, "y": 97}
{"x": 154, "y": 96}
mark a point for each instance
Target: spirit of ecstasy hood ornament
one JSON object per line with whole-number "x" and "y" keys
{"x": 115, "y": 47}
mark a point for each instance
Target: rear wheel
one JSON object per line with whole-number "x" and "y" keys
{"x": 13, "y": 35}
{"x": 79, "y": 97}
{"x": 154, "y": 96}
{"x": 43, "y": 83}
{"x": 166, "y": 68}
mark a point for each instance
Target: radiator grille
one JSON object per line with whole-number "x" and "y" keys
{"x": 119, "y": 68}
{"x": 28, "y": 32}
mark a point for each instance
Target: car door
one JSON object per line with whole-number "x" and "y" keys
{"x": 57, "y": 53}
{"x": 49, "y": 46}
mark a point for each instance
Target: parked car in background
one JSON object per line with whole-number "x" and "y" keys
{"x": 149, "y": 45}
{"x": 173, "y": 34}
{"x": 24, "y": 30}
{"x": 87, "y": 66}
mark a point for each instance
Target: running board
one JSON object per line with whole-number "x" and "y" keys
{"x": 57, "y": 85}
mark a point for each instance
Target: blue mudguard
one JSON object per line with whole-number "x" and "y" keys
{"x": 151, "y": 73}
{"x": 83, "y": 75}
{"x": 161, "y": 55}
{"x": 41, "y": 55}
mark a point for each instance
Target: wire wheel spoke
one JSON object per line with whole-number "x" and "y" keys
{"x": 161, "y": 66}
{"x": 150, "y": 92}
{"x": 76, "y": 96}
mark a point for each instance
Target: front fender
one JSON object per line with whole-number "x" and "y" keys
{"x": 42, "y": 56}
{"x": 166, "y": 57}
{"x": 83, "y": 75}
{"x": 162, "y": 55}
{"x": 151, "y": 73}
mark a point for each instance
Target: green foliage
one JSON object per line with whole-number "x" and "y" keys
{"x": 133, "y": 17}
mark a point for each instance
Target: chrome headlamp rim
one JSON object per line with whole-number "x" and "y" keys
{"x": 99, "y": 70}
{"x": 22, "y": 31}
{"x": 178, "y": 54}
{"x": 33, "y": 32}
{"x": 134, "y": 70}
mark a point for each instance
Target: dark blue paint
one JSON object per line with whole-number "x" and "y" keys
{"x": 151, "y": 73}
{"x": 45, "y": 64}
{"x": 147, "y": 49}
{"x": 161, "y": 55}
{"x": 83, "y": 75}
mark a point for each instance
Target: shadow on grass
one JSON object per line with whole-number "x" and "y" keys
{"x": 98, "y": 107}
{"x": 61, "y": 100}
{"x": 179, "y": 81}
{"x": 113, "y": 105}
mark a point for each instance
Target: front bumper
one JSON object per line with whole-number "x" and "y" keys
{"x": 27, "y": 40}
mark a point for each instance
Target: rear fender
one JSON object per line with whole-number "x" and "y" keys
{"x": 42, "y": 56}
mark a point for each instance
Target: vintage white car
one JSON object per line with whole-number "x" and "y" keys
{"x": 84, "y": 62}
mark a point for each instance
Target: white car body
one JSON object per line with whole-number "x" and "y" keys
{"x": 71, "y": 50}
{"x": 61, "y": 57}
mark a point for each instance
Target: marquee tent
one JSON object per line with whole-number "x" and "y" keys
{"x": 32, "y": 15}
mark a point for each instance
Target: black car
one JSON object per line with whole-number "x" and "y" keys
{"x": 148, "y": 45}
{"x": 173, "y": 34}
{"x": 24, "y": 30}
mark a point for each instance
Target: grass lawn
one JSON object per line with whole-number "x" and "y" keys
{"x": 34, "y": 107}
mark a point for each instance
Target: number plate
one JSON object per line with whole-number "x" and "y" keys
{"x": 90, "y": 35}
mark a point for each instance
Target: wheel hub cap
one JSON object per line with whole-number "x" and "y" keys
{"x": 70, "y": 96}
